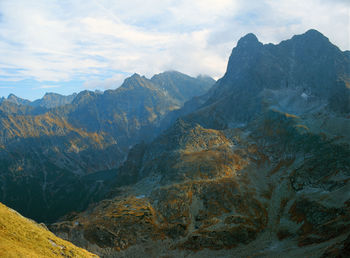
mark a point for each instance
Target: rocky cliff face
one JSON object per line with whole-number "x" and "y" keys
{"x": 60, "y": 159}
{"x": 260, "y": 167}
{"x": 307, "y": 65}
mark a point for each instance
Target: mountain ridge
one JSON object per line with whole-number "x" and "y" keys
{"x": 48, "y": 152}
{"x": 257, "y": 166}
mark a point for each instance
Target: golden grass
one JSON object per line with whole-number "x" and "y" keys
{"x": 303, "y": 127}
{"x": 290, "y": 115}
{"x": 21, "y": 237}
{"x": 44, "y": 124}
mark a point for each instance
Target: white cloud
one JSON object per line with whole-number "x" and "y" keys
{"x": 94, "y": 40}
{"x": 46, "y": 87}
{"x": 112, "y": 82}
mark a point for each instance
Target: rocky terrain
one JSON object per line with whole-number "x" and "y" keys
{"x": 58, "y": 154}
{"x": 256, "y": 167}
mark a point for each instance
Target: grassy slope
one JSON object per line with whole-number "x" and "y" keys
{"x": 21, "y": 237}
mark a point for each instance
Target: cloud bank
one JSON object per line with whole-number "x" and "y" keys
{"x": 99, "y": 42}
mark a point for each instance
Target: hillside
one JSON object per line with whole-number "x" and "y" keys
{"x": 21, "y": 237}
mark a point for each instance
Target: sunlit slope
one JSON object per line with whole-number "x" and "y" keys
{"x": 21, "y": 237}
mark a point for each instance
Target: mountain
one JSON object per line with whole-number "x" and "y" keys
{"x": 21, "y": 237}
{"x": 307, "y": 64}
{"x": 58, "y": 159}
{"x": 131, "y": 112}
{"x": 176, "y": 85}
{"x": 257, "y": 166}
{"x": 52, "y": 100}
{"x": 14, "y": 99}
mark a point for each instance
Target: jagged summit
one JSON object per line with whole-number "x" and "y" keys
{"x": 12, "y": 96}
{"x": 135, "y": 75}
{"x": 135, "y": 81}
{"x": 17, "y": 100}
{"x": 248, "y": 40}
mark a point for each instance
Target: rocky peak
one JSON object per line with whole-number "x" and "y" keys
{"x": 135, "y": 76}
{"x": 11, "y": 96}
{"x": 248, "y": 47}
{"x": 19, "y": 101}
{"x": 311, "y": 44}
{"x": 49, "y": 95}
{"x": 135, "y": 81}
{"x": 249, "y": 40}
{"x": 313, "y": 34}
{"x": 83, "y": 96}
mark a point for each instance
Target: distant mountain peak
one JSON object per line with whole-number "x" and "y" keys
{"x": 17, "y": 100}
{"x": 168, "y": 74}
{"x": 172, "y": 72}
{"x": 314, "y": 33}
{"x": 50, "y": 94}
{"x": 248, "y": 40}
{"x": 135, "y": 75}
{"x": 136, "y": 81}
{"x": 312, "y": 36}
{"x": 136, "y": 78}
{"x": 12, "y": 96}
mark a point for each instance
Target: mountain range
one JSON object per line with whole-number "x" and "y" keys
{"x": 57, "y": 152}
{"x": 255, "y": 164}
{"x": 50, "y": 100}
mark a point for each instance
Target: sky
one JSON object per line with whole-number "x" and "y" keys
{"x": 66, "y": 46}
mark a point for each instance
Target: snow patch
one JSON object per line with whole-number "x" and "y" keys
{"x": 304, "y": 96}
